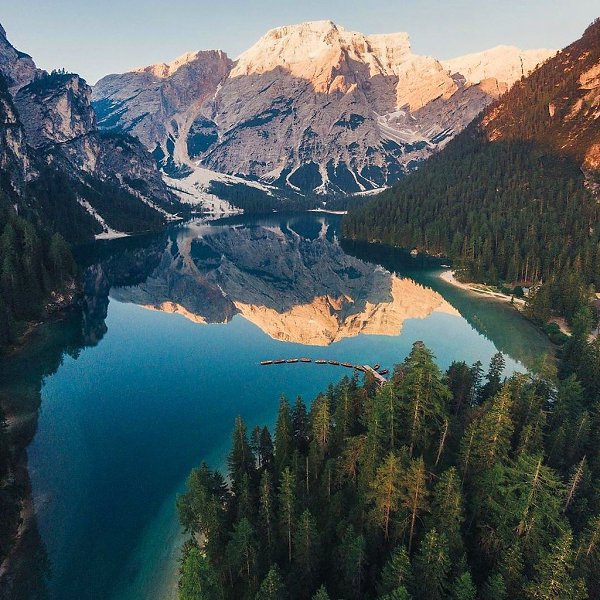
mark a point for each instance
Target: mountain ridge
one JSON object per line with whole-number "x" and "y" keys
{"x": 312, "y": 108}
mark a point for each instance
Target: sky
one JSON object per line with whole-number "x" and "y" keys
{"x": 98, "y": 37}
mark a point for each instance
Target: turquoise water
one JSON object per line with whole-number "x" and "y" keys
{"x": 149, "y": 394}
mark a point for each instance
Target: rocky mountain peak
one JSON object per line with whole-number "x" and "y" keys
{"x": 317, "y": 50}
{"x": 311, "y": 107}
{"x": 504, "y": 63}
{"x": 17, "y": 67}
{"x": 165, "y": 70}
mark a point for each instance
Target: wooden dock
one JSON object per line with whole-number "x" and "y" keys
{"x": 379, "y": 378}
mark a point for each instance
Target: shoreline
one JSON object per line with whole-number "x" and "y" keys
{"x": 481, "y": 289}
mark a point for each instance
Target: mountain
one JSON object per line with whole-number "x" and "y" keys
{"x": 297, "y": 286}
{"x": 61, "y": 179}
{"x": 61, "y": 170}
{"x": 558, "y": 106}
{"x": 309, "y": 108}
{"x": 514, "y": 197}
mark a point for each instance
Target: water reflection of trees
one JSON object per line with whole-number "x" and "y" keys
{"x": 508, "y": 331}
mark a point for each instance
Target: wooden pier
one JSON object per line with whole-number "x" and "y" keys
{"x": 379, "y": 378}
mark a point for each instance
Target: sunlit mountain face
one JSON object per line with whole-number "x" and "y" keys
{"x": 292, "y": 281}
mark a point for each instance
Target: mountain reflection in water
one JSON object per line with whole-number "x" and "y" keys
{"x": 296, "y": 288}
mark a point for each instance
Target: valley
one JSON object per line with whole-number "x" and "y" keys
{"x": 344, "y": 198}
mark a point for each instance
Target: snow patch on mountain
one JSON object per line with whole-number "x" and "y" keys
{"x": 195, "y": 189}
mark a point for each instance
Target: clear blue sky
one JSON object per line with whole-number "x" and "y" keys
{"x": 97, "y": 37}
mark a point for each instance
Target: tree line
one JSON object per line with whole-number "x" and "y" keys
{"x": 437, "y": 485}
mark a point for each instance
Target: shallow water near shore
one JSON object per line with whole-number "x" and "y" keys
{"x": 167, "y": 354}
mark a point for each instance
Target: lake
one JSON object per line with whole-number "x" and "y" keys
{"x": 123, "y": 398}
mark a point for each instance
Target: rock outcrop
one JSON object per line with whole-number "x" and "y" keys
{"x": 310, "y": 107}
{"x": 17, "y": 67}
{"x": 15, "y": 164}
{"x": 55, "y": 109}
{"x": 71, "y": 177}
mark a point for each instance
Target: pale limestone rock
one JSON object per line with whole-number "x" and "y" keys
{"x": 312, "y": 107}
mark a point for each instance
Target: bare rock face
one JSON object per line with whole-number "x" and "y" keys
{"x": 159, "y": 104}
{"x": 15, "y": 164}
{"x": 312, "y": 107}
{"x": 108, "y": 183}
{"x": 504, "y": 64}
{"x": 17, "y": 67}
{"x": 55, "y": 109}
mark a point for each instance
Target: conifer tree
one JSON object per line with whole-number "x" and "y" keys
{"x": 432, "y": 566}
{"x": 300, "y": 426}
{"x": 423, "y": 398}
{"x": 321, "y": 594}
{"x": 241, "y": 460}
{"x": 265, "y": 450}
{"x": 463, "y": 587}
{"x": 488, "y": 438}
{"x": 197, "y": 579}
{"x": 400, "y": 593}
{"x": 447, "y": 513}
{"x": 397, "y": 572}
{"x": 494, "y": 588}
{"x": 272, "y": 587}
{"x": 287, "y": 509}
{"x": 284, "y": 436}
{"x": 413, "y": 494}
{"x": 344, "y": 414}
{"x": 385, "y": 493}
{"x": 352, "y": 562}
{"x": 554, "y": 574}
{"x": 266, "y": 512}
{"x": 306, "y": 547}
{"x": 493, "y": 377}
{"x": 242, "y": 552}
{"x": 321, "y": 423}
{"x": 535, "y": 499}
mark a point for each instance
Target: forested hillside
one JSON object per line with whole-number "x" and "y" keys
{"x": 508, "y": 198}
{"x": 557, "y": 105}
{"x": 436, "y": 485}
{"x": 36, "y": 269}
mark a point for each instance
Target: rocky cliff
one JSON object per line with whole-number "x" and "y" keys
{"x": 310, "y": 107}
{"x": 15, "y": 164}
{"x": 61, "y": 170}
{"x": 17, "y": 67}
